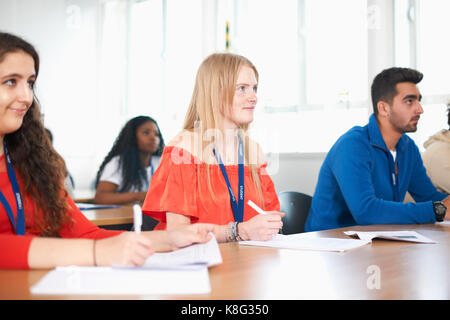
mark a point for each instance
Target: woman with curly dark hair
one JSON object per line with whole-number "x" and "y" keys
{"x": 40, "y": 226}
{"x": 125, "y": 173}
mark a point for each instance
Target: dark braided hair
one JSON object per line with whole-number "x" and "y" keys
{"x": 126, "y": 147}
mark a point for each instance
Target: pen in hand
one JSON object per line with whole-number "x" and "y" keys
{"x": 258, "y": 209}
{"x": 254, "y": 206}
{"x": 137, "y": 217}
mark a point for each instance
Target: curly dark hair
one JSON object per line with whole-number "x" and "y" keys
{"x": 126, "y": 147}
{"x": 40, "y": 167}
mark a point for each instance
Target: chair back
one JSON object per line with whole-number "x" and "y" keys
{"x": 296, "y": 207}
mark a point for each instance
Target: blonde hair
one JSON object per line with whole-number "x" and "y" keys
{"x": 212, "y": 98}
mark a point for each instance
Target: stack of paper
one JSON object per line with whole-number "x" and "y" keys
{"x": 303, "y": 241}
{"x": 204, "y": 253}
{"x": 183, "y": 271}
{"x": 411, "y": 236}
{"x": 136, "y": 281}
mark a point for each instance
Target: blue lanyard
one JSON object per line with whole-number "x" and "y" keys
{"x": 20, "y": 226}
{"x": 238, "y": 207}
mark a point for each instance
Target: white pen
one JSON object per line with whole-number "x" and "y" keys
{"x": 137, "y": 215}
{"x": 254, "y": 206}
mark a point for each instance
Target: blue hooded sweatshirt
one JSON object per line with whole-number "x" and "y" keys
{"x": 360, "y": 184}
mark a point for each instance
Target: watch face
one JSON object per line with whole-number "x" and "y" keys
{"x": 440, "y": 210}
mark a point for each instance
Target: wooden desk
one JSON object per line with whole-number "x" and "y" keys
{"x": 83, "y": 195}
{"x": 112, "y": 216}
{"x": 407, "y": 270}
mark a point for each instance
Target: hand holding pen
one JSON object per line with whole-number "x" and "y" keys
{"x": 262, "y": 226}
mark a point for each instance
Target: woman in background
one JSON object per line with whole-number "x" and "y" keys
{"x": 124, "y": 175}
{"x": 40, "y": 226}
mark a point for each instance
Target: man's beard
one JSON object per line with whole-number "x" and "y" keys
{"x": 403, "y": 128}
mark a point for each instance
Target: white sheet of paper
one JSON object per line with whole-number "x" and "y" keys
{"x": 135, "y": 281}
{"x": 410, "y": 236}
{"x": 445, "y": 223}
{"x": 203, "y": 253}
{"x": 300, "y": 241}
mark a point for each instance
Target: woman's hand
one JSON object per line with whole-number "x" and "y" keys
{"x": 107, "y": 193}
{"x": 128, "y": 249}
{"x": 189, "y": 234}
{"x": 262, "y": 226}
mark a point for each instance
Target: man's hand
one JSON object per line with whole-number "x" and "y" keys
{"x": 446, "y": 203}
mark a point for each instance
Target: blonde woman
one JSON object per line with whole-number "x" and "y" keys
{"x": 210, "y": 170}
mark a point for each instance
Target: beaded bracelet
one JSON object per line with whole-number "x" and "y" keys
{"x": 238, "y": 237}
{"x": 233, "y": 228}
{"x": 229, "y": 232}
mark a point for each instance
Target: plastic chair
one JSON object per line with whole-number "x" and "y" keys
{"x": 296, "y": 206}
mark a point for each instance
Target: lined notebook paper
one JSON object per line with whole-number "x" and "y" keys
{"x": 202, "y": 253}
{"x": 410, "y": 236}
{"x": 135, "y": 281}
{"x": 184, "y": 271}
{"x": 302, "y": 241}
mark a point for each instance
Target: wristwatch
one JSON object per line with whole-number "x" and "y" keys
{"x": 439, "y": 210}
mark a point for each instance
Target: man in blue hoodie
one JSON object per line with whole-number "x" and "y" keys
{"x": 369, "y": 169}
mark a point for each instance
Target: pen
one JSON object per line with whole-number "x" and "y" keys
{"x": 137, "y": 215}
{"x": 254, "y": 206}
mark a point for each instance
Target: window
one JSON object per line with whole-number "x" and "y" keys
{"x": 312, "y": 60}
{"x": 416, "y": 27}
{"x": 312, "y": 56}
{"x": 146, "y": 59}
{"x": 165, "y": 50}
{"x": 433, "y": 46}
{"x": 336, "y": 52}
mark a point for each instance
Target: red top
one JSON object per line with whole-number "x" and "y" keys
{"x": 14, "y": 248}
{"x": 175, "y": 188}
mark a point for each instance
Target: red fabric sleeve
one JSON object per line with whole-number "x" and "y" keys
{"x": 82, "y": 227}
{"x": 14, "y": 251}
{"x": 271, "y": 202}
{"x": 14, "y": 248}
{"x": 173, "y": 188}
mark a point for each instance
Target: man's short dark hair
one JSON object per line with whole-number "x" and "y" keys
{"x": 384, "y": 84}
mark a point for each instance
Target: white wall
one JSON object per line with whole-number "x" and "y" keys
{"x": 65, "y": 33}
{"x": 297, "y": 171}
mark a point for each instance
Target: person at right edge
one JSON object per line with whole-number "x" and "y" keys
{"x": 367, "y": 172}
{"x": 436, "y": 157}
